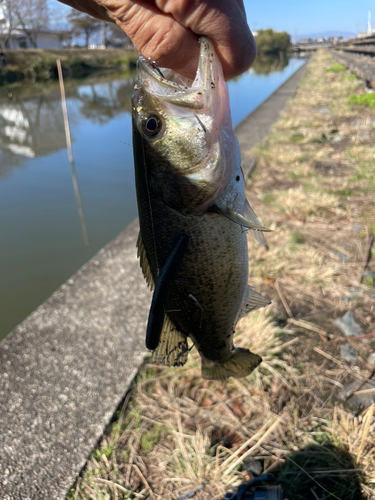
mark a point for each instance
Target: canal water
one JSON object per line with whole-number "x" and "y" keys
{"x": 54, "y": 218}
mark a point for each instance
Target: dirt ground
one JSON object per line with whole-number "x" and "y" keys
{"x": 297, "y": 417}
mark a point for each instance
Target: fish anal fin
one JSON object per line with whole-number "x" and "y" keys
{"x": 172, "y": 349}
{"x": 239, "y": 365}
{"x": 238, "y": 218}
{"x": 252, "y": 300}
{"x": 249, "y": 214}
{"x": 141, "y": 253}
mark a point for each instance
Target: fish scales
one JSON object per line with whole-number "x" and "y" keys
{"x": 189, "y": 184}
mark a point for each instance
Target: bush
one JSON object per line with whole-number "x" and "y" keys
{"x": 272, "y": 42}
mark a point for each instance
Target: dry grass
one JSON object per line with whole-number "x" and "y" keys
{"x": 178, "y": 434}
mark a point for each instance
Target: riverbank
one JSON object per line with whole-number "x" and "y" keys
{"x": 40, "y": 64}
{"x": 307, "y": 414}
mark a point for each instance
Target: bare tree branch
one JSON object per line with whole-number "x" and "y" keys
{"x": 32, "y": 16}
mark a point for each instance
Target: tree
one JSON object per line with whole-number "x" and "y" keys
{"x": 83, "y": 24}
{"x": 8, "y": 22}
{"x": 115, "y": 36}
{"x": 272, "y": 42}
{"x": 32, "y": 17}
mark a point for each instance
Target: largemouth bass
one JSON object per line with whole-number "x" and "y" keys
{"x": 192, "y": 213}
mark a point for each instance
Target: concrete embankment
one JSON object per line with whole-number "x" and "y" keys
{"x": 67, "y": 367}
{"x": 360, "y": 64}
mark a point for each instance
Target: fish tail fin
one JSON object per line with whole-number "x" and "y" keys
{"x": 239, "y": 365}
{"x": 172, "y": 349}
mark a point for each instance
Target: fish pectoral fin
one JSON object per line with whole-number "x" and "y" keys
{"x": 239, "y": 219}
{"x": 162, "y": 290}
{"x": 172, "y": 349}
{"x": 252, "y": 300}
{"x": 141, "y": 253}
{"x": 249, "y": 214}
{"x": 239, "y": 365}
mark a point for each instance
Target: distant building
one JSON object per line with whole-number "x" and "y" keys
{"x": 363, "y": 34}
{"x": 46, "y": 39}
{"x": 334, "y": 39}
{"x": 305, "y": 41}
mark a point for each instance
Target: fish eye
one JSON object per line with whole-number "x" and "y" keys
{"x": 151, "y": 125}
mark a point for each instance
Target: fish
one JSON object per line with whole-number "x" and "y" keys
{"x": 193, "y": 216}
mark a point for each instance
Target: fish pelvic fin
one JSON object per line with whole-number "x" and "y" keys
{"x": 239, "y": 365}
{"x": 239, "y": 219}
{"x": 252, "y": 300}
{"x": 172, "y": 349}
{"x": 141, "y": 253}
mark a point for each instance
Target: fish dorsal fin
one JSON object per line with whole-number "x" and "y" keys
{"x": 141, "y": 253}
{"x": 238, "y": 218}
{"x": 250, "y": 215}
{"x": 172, "y": 349}
{"x": 252, "y": 300}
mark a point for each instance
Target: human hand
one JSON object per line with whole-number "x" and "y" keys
{"x": 167, "y": 30}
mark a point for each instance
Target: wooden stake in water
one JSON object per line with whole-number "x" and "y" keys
{"x": 70, "y": 155}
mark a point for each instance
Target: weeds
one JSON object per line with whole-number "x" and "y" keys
{"x": 363, "y": 100}
{"x": 337, "y": 68}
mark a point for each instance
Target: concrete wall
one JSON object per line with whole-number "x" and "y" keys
{"x": 49, "y": 41}
{"x": 44, "y": 41}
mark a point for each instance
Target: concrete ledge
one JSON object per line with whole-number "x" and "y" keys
{"x": 66, "y": 368}
{"x": 257, "y": 125}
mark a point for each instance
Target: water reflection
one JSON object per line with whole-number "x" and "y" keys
{"x": 33, "y": 126}
{"x": 265, "y": 64}
{"x": 29, "y": 128}
{"x": 101, "y": 103}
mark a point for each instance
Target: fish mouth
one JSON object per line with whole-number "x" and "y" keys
{"x": 177, "y": 89}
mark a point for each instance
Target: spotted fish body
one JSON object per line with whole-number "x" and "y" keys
{"x": 192, "y": 214}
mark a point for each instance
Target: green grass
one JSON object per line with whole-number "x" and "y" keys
{"x": 342, "y": 192}
{"x": 150, "y": 439}
{"x": 107, "y": 451}
{"x": 351, "y": 77}
{"x": 296, "y": 238}
{"x": 363, "y": 100}
{"x": 368, "y": 281}
{"x": 337, "y": 68}
{"x": 296, "y": 138}
{"x": 268, "y": 198}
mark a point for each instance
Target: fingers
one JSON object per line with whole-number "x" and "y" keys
{"x": 224, "y": 21}
{"x": 157, "y": 34}
{"x": 168, "y": 30}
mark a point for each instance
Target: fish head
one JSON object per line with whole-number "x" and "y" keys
{"x": 182, "y": 132}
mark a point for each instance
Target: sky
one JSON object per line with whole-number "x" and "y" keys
{"x": 310, "y": 16}
{"x": 303, "y": 17}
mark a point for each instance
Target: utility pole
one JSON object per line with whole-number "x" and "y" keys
{"x": 369, "y": 23}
